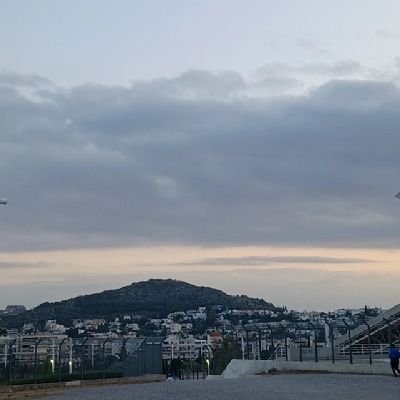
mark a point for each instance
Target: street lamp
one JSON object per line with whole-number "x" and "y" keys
{"x": 286, "y": 341}
{"x": 350, "y": 342}
{"x": 315, "y": 341}
{"x": 332, "y": 338}
{"x": 369, "y": 340}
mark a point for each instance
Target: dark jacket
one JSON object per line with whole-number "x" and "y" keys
{"x": 393, "y": 353}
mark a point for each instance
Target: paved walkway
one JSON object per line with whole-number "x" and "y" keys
{"x": 274, "y": 387}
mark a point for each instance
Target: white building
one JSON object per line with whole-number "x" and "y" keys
{"x": 185, "y": 348}
{"x": 54, "y": 328}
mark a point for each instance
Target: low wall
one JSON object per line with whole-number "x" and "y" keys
{"x": 93, "y": 382}
{"x": 238, "y": 368}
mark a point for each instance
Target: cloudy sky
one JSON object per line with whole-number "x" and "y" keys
{"x": 251, "y": 146}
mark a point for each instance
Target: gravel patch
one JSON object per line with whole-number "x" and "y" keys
{"x": 274, "y": 387}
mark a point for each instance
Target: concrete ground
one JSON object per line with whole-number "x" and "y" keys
{"x": 274, "y": 387}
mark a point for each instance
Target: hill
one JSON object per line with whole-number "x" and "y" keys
{"x": 155, "y": 298}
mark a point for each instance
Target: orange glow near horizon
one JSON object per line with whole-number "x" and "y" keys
{"x": 285, "y": 269}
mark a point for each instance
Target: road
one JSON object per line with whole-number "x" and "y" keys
{"x": 273, "y": 387}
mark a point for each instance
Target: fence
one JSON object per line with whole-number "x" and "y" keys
{"x": 186, "y": 369}
{"x": 308, "y": 342}
{"x": 57, "y": 358}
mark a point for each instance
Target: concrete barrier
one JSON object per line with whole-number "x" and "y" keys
{"x": 238, "y": 368}
{"x": 92, "y": 382}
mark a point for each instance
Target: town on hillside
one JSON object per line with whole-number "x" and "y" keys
{"x": 205, "y": 333}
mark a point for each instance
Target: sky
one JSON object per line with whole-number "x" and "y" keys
{"x": 251, "y": 146}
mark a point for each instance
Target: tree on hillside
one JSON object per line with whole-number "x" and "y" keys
{"x": 223, "y": 356}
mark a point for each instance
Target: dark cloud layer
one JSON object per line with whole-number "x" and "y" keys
{"x": 195, "y": 160}
{"x": 266, "y": 260}
{"x": 341, "y": 69}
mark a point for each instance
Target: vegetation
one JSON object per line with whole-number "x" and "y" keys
{"x": 223, "y": 356}
{"x": 153, "y": 298}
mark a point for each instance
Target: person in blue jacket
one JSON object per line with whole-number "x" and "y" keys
{"x": 394, "y": 357}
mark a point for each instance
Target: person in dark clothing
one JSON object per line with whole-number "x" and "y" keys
{"x": 394, "y": 357}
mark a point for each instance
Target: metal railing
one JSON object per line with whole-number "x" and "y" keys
{"x": 48, "y": 358}
{"x": 364, "y": 349}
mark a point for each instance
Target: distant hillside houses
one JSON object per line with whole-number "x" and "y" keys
{"x": 54, "y": 328}
{"x": 200, "y": 313}
{"x": 88, "y": 324}
{"x": 186, "y": 348}
{"x": 250, "y": 312}
{"x": 200, "y": 332}
{"x": 13, "y": 310}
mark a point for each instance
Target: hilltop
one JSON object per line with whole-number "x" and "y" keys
{"x": 153, "y": 298}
